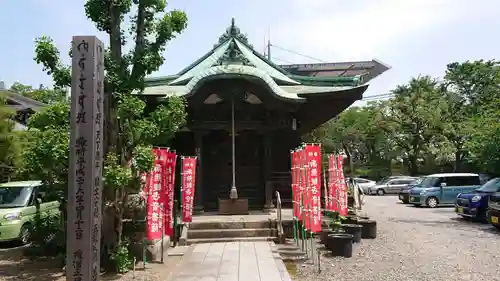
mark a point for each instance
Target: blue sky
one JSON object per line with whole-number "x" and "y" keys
{"x": 413, "y": 36}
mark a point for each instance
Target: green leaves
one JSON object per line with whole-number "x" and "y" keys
{"x": 55, "y": 116}
{"x": 47, "y": 155}
{"x": 116, "y": 175}
{"x": 143, "y": 159}
{"x": 47, "y": 55}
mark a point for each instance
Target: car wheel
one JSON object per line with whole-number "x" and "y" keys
{"x": 482, "y": 216}
{"x": 380, "y": 192}
{"x": 406, "y": 202}
{"x": 431, "y": 202}
{"x": 25, "y": 234}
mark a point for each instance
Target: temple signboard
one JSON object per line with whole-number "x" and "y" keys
{"x": 86, "y": 160}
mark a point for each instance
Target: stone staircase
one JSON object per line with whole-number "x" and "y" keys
{"x": 211, "y": 232}
{"x": 290, "y": 252}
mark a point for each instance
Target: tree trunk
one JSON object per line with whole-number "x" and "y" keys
{"x": 458, "y": 160}
{"x": 349, "y": 159}
{"x": 413, "y": 165}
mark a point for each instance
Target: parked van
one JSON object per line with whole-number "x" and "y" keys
{"x": 442, "y": 189}
{"x": 20, "y": 201}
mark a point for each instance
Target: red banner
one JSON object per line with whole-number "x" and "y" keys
{"x": 293, "y": 157}
{"x": 333, "y": 183}
{"x": 154, "y": 191}
{"x": 313, "y": 165}
{"x": 342, "y": 187}
{"x": 171, "y": 157}
{"x": 302, "y": 186}
{"x": 329, "y": 186}
{"x": 188, "y": 183}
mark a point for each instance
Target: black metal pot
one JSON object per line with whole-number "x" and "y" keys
{"x": 350, "y": 220}
{"x": 324, "y": 235}
{"x": 350, "y": 201}
{"x": 340, "y": 244}
{"x": 354, "y": 230}
{"x": 369, "y": 230}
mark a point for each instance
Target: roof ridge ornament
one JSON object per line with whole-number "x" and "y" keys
{"x": 233, "y": 32}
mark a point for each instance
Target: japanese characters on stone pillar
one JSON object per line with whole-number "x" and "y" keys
{"x": 86, "y": 160}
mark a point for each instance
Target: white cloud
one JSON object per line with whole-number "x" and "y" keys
{"x": 353, "y": 30}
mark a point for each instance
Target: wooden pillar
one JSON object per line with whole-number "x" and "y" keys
{"x": 268, "y": 171}
{"x": 198, "y": 199}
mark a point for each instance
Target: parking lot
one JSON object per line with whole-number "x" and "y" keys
{"x": 418, "y": 244}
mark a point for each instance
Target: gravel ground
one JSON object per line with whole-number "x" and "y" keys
{"x": 15, "y": 267}
{"x": 415, "y": 244}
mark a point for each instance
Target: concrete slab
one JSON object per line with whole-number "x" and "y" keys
{"x": 232, "y": 261}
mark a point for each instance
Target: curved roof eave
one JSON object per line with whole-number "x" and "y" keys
{"x": 241, "y": 70}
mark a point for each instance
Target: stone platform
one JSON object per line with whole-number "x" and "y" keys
{"x": 213, "y": 228}
{"x": 232, "y": 261}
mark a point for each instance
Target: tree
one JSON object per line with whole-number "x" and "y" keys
{"x": 132, "y": 129}
{"x": 415, "y": 118}
{"x": 42, "y": 94}
{"x": 46, "y": 156}
{"x": 9, "y": 145}
{"x": 358, "y": 132}
{"x": 472, "y": 88}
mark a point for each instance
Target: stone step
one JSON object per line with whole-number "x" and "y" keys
{"x": 300, "y": 259}
{"x": 230, "y": 239}
{"x": 232, "y": 225}
{"x": 227, "y": 233}
{"x": 291, "y": 253}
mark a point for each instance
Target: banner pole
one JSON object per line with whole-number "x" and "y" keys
{"x": 302, "y": 209}
{"x": 297, "y": 199}
{"x": 293, "y": 195}
{"x": 174, "y": 211}
{"x": 182, "y": 184}
{"x": 145, "y": 240}
{"x": 162, "y": 231}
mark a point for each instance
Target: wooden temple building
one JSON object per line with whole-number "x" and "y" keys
{"x": 233, "y": 89}
{"x": 24, "y": 106}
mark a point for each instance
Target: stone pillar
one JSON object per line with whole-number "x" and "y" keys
{"x": 198, "y": 144}
{"x": 268, "y": 170}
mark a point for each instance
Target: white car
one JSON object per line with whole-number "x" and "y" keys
{"x": 364, "y": 184}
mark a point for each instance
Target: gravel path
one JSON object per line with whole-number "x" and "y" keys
{"x": 416, "y": 244}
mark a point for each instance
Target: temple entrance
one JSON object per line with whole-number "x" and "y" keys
{"x": 217, "y": 168}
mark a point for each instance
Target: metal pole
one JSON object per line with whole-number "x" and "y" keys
{"x": 234, "y": 192}
{"x": 294, "y": 191}
{"x": 162, "y": 231}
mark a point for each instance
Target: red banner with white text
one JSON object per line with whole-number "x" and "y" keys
{"x": 302, "y": 186}
{"x": 293, "y": 158}
{"x": 342, "y": 187}
{"x": 313, "y": 166}
{"x": 155, "y": 195}
{"x": 188, "y": 185}
{"x": 329, "y": 191}
{"x": 171, "y": 157}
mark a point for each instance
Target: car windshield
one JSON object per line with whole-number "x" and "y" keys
{"x": 417, "y": 181}
{"x": 384, "y": 180}
{"x": 15, "y": 196}
{"x": 428, "y": 182}
{"x": 490, "y": 186}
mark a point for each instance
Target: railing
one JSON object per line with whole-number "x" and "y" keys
{"x": 279, "y": 226}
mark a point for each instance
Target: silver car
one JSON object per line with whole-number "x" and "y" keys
{"x": 364, "y": 184}
{"x": 391, "y": 185}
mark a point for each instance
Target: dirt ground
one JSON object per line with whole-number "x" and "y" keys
{"x": 15, "y": 267}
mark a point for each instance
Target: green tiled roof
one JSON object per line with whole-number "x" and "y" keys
{"x": 233, "y": 56}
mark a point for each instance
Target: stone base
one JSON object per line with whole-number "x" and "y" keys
{"x": 197, "y": 210}
{"x": 233, "y": 206}
{"x": 153, "y": 252}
